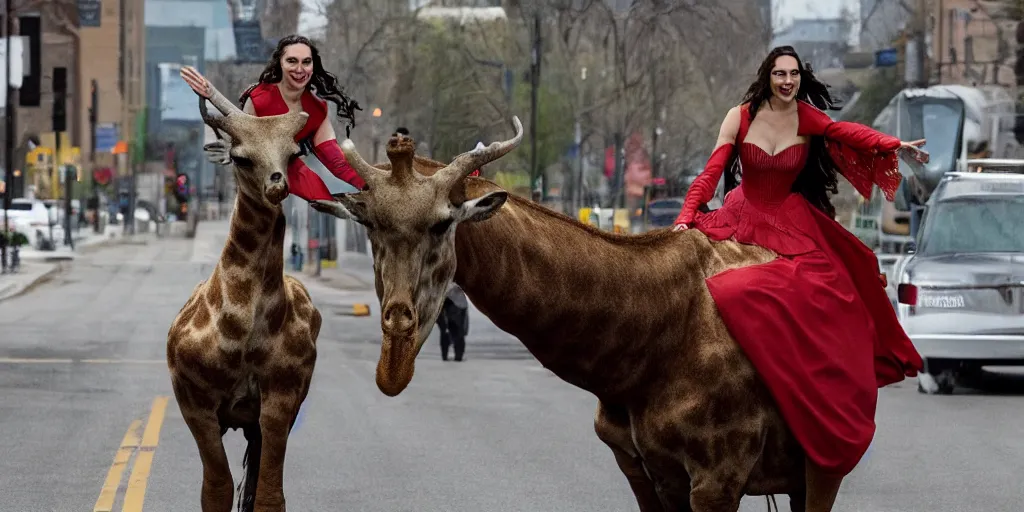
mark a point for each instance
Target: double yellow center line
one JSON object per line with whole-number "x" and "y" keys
{"x": 144, "y": 446}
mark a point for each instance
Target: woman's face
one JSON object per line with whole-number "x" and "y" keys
{"x": 297, "y": 65}
{"x": 785, "y": 78}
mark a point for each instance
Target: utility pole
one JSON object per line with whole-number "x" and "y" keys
{"x": 656, "y": 130}
{"x": 9, "y": 135}
{"x": 9, "y": 129}
{"x": 60, "y": 92}
{"x": 915, "y": 53}
{"x": 94, "y": 105}
{"x": 534, "y": 86}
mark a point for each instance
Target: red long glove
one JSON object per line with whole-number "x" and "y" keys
{"x": 329, "y": 153}
{"x": 305, "y": 183}
{"x": 703, "y": 188}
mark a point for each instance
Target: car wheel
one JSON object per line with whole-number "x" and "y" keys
{"x": 942, "y": 383}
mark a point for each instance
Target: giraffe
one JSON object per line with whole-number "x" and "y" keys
{"x": 626, "y": 317}
{"x": 241, "y": 351}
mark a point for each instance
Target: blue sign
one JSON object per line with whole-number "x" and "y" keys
{"x": 886, "y": 58}
{"x": 106, "y": 138}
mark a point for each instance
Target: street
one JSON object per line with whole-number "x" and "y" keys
{"x": 82, "y": 371}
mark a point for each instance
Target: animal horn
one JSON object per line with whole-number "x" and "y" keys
{"x": 365, "y": 171}
{"x": 469, "y": 161}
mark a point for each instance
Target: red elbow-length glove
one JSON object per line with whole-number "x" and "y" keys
{"x": 329, "y": 153}
{"x": 703, "y": 188}
{"x": 305, "y": 183}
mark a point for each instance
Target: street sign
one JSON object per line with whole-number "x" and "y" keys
{"x": 886, "y": 58}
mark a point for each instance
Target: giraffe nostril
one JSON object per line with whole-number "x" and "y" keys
{"x": 276, "y": 177}
{"x": 398, "y": 317}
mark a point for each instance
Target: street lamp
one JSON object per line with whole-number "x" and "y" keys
{"x": 375, "y": 129}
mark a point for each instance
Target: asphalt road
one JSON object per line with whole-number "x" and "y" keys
{"x": 82, "y": 370}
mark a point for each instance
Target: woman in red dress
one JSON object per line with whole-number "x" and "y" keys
{"x": 816, "y": 322}
{"x": 295, "y": 79}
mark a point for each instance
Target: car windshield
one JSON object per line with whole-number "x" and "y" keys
{"x": 19, "y": 205}
{"x": 974, "y": 225}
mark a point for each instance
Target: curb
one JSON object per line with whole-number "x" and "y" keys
{"x": 358, "y": 309}
{"x": 45, "y": 276}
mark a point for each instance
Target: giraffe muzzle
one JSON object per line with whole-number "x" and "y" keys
{"x": 398, "y": 348}
{"x": 397, "y": 363}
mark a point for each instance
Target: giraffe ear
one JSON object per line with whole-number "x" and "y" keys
{"x": 481, "y": 208}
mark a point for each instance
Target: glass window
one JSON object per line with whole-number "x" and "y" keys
{"x": 974, "y": 225}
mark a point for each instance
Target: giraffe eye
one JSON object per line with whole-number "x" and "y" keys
{"x": 441, "y": 227}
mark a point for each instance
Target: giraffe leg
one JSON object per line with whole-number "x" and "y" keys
{"x": 612, "y": 427}
{"x": 822, "y": 489}
{"x": 218, "y": 486}
{"x": 280, "y": 398}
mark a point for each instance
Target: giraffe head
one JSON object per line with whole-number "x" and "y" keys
{"x": 261, "y": 147}
{"x": 410, "y": 209}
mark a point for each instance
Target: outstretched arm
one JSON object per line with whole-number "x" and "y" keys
{"x": 703, "y": 188}
{"x": 326, "y": 148}
{"x": 865, "y": 157}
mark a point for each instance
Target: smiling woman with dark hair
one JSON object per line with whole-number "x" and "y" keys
{"x": 816, "y": 322}
{"x": 295, "y": 79}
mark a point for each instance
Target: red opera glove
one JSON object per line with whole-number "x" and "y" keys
{"x": 703, "y": 188}
{"x": 305, "y": 183}
{"x": 329, "y": 153}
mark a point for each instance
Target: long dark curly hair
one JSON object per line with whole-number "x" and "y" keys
{"x": 819, "y": 177}
{"x": 323, "y": 82}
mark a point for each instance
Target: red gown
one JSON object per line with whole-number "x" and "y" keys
{"x": 816, "y": 322}
{"x": 302, "y": 181}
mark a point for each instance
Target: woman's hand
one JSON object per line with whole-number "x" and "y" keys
{"x": 196, "y": 81}
{"x": 680, "y": 227}
{"x": 913, "y": 148}
{"x": 218, "y": 152}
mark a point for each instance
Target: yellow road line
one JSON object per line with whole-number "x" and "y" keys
{"x": 136, "y": 492}
{"x": 131, "y": 441}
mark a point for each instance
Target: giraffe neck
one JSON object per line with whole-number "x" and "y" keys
{"x": 593, "y": 308}
{"x": 250, "y": 272}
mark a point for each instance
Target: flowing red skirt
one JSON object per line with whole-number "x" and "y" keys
{"x": 816, "y": 323}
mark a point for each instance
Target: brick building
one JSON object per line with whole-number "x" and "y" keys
{"x": 105, "y": 46}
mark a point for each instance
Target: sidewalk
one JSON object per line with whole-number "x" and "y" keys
{"x": 85, "y": 241}
{"x": 30, "y": 274}
{"x": 354, "y": 271}
{"x": 37, "y": 266}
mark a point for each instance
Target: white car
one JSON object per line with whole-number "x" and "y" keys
{"x": 34, "y": 219}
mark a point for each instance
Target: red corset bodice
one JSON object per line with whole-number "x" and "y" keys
{"x": 768, "y": 179}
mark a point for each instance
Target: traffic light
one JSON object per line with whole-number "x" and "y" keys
{"x": 60, "y": 91}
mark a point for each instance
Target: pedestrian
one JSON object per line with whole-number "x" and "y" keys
{"x": 454, "y": 322}
{"x": 295, "y": 79}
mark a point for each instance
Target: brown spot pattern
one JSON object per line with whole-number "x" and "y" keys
{"x": 214, "y": 362}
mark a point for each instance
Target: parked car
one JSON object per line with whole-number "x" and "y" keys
{"x": 961, "y": 292}
{"x": 34, "y": 218}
